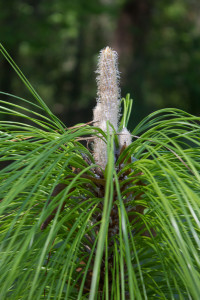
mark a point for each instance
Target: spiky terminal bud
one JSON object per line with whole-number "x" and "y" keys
{"x": 108, "y": 99}
{"x": 108, "y": 91}
{"x": 125, "y": 138}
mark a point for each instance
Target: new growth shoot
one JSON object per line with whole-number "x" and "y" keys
{"x": 108, "y": 104}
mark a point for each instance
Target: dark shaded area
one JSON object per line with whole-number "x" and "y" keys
{"x": 56, "y": 43}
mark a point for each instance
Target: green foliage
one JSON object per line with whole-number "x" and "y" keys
{"x": 70, "y": 230}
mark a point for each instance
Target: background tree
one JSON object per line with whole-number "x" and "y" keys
{"x": 57, "y": 43}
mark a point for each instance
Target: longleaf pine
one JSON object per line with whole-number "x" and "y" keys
{"x": 96, "y": 211}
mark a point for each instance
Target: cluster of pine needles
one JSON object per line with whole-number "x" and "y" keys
{"x": 72, "y": 230}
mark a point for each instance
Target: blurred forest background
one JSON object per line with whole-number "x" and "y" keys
{"x": 56, "y": 44}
